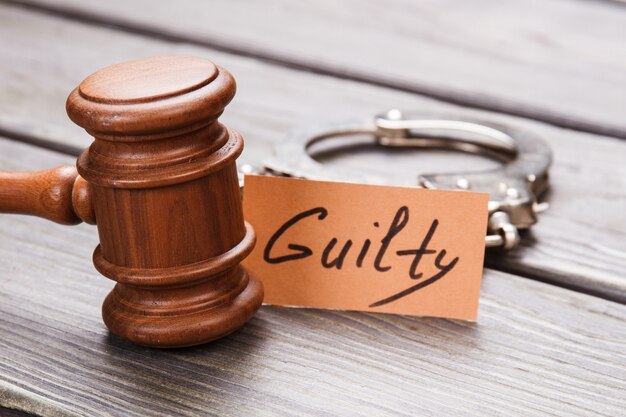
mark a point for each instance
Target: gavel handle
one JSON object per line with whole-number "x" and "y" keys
{"x": 57, "y": 194}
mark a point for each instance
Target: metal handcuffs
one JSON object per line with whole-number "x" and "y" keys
{"x": 513, "y": 187}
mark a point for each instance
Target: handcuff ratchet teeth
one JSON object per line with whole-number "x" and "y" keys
{"x": 513, "y": 187}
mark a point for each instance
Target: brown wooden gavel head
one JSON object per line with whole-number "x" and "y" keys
{"x": 160, "y": 182}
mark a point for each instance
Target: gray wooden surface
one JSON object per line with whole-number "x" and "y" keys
{"x": 560, "y": 61}
{"x": 537, "y": 349}
{"x": 577, "y": 242}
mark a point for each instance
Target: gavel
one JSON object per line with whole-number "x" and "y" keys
{"x": 160, "y": 182}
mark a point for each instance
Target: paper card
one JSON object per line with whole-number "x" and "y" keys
{"x": 367, "y": 247}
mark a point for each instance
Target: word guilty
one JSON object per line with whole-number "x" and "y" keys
{"x": 377, "y": 251}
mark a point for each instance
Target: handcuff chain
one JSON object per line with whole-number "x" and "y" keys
{"x": 501, "y": 233}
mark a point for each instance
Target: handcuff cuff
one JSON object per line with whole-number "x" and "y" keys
{"x": 514, "y": 187}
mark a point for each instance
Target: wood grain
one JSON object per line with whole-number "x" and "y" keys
{"x": 559, "y": 62}
{"x": 580, "y": 242}
{"x": 536, "y": 350}
{"x": 167, "y": 200}
{"x": 56, "y": 194}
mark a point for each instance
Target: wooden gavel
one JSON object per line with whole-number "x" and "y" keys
{"x": 160, "y": 182}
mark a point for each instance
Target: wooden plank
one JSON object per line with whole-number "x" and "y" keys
{"x": 537, "y": 349}
{"x": 579, "y": 242}
{"x": 560, "y": 62}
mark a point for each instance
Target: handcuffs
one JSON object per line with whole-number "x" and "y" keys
{"x": 514, "y": 187}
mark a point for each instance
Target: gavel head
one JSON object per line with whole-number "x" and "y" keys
{"x": 163, "y": 181}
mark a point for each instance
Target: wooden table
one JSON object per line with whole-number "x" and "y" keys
{"x": 551, "y": 336}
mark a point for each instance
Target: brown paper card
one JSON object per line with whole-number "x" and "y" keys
{"x": 405, "y": 250}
